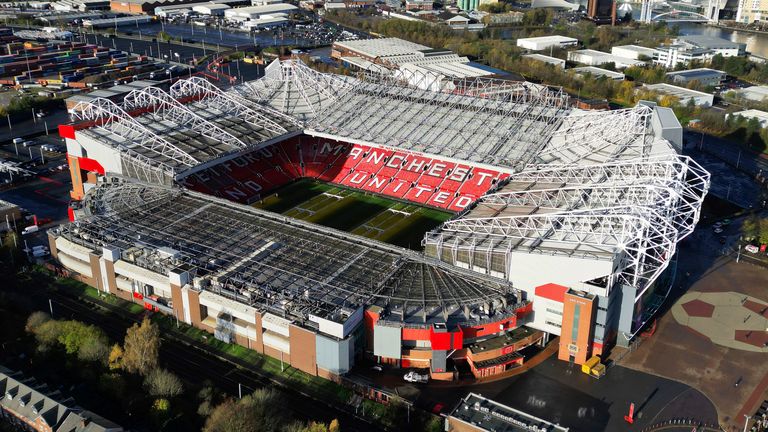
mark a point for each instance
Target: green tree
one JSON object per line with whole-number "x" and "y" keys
{"x": 141, "y": 348}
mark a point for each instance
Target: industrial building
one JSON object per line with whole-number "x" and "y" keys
{"x": 476, "y": 413}
{"x": 591, "y": 57}
{"x": 546, "y": 42}
{"x": 751, "y": 93}
{"x": 761, "y": 116}
{"x": 704, "y": 76}
{"x": 394, "y": 53}
{"x": 248, "y": 13}
{"x": 598, "y": 72}
{"x": 546, "y": 59}
{"x": 634, "y": 52}
{"x": 565, "y": 220}
{"x": 682, "y": 94}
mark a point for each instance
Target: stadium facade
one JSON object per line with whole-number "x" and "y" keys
{"x": 565, "y": 220}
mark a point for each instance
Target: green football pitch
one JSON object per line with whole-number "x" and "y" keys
{"x": 354, "y": 211}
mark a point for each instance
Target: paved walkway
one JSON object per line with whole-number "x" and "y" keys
{"x": 729, "y": 319}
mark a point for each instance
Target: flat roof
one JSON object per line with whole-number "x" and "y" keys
{"x": 275, "y": 263}
{"x": 710, "y": 42}
{"x": 263, "y": 9}
{"x": 757, "y": 93}
{"x": 752, "y": 113}
{"x": 677, "y": 91}
{"x": 697, "y": 73}
{"x": 487, "y": 415}
{"x": 596, "y": 71}
{"x": 637, "y": 48}
{"x": 545, "y": 59}
{"x": 384, "y": 47}
{"x": 552, "y": 38}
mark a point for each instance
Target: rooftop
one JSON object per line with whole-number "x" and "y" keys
{"x": 598, "y": 72}
{"x": 672, "y": 90}
{"x": 254, "y": 257}
{"x": 710, "y": 42}
{"x": 552, "y": 38}
{"x": 697, "y": 73}
{"x": 487, "y": 415}
{"x": 637, "y": 48}
{"x": 545, "y": 59}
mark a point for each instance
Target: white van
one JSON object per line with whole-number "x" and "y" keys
{"x": 30, "y": 229}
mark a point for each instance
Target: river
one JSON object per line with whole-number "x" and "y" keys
{"x": 757, "y": 44}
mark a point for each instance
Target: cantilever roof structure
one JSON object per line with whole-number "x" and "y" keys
{"x": 635, "y": 210}
{"x": 154, "y": 130}
{"x": 597, "y": 184}
{"x": 257, "y": 257}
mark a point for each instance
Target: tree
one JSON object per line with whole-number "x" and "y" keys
{"x": 258, "y": 412}
{"x": 115, "y": 359}
{"x": 35, "y": 320}
{"x": 141, "y": 348}
{"x": 161, "y": 382}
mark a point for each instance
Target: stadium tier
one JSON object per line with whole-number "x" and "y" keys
{"x": 566, "y": 220}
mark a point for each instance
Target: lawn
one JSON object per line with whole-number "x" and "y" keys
{"x": 365, "y": 214}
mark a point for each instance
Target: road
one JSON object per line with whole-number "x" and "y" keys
{"x": 195, "y": 363}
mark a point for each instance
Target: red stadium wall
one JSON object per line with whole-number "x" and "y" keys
{"x": 395, "y": 173}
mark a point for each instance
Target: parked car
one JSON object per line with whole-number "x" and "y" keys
{"x": 28, "y": 143}
{"x": 751, "y": 248}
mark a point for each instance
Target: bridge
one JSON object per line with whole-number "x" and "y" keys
{"x": 678, "y": 14}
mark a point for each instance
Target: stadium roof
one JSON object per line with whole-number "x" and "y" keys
{"x": 154, "y": 129}
{"x": 280, "y": 264}
{"x": 598, "y": 184}
{"x": 635, "y": 210}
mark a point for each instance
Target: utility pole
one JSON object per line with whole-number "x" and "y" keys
{"x": 239, "y": 391}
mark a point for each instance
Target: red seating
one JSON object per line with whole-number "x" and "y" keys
{"x": 478, "y": 182}
{"x": 436, "y": 173}
{"x": 419, "y": 193}
{"x": 397, "y": 188}
{"x": 373, "y": 159}
{"x": 398, "y": 174}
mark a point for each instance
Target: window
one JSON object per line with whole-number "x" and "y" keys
{"x": 575, "y": 327}
{"x": 556, "y": 312}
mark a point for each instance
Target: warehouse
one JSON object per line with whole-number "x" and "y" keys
{"x": 255, "y": 12}
{"x": 210, "y": 9}
{"x": 546, "y": 42}
{"x": 751, "y": 93}
{"x": 394, "y": 53}
{"x": 546, "y": 59}
{"x": 598, "y": 72}
{"x": 634, "y": 52}
{"x": 682, "y": 94}
{"x": 596, "y": 58}
{"x": 703, "y": 76}
{"x": 760, "y": 116}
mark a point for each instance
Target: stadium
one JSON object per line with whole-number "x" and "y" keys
{"x": 322, "y": 219}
